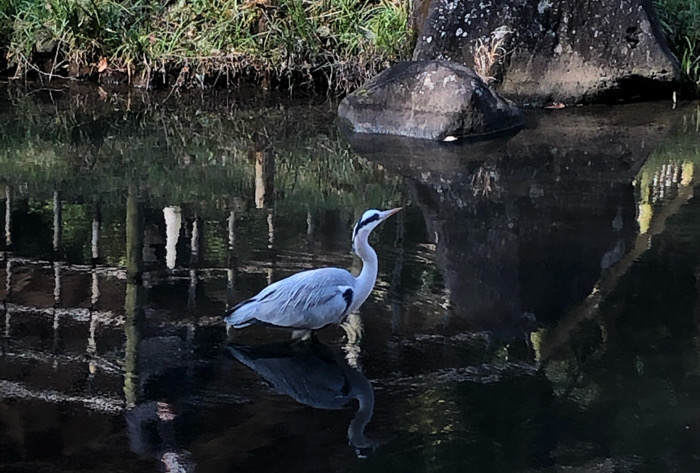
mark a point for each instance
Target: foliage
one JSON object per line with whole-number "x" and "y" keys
{"x": 681, "y": 22}
{"x": 342, "y": 41}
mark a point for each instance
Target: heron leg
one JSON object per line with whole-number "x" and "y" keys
{"x": 301, "y": 335}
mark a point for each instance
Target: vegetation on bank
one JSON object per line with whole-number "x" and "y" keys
{"x": 337, "y": 42}
{"x": 334, "y": 43}
{"x": 681, "y": 23}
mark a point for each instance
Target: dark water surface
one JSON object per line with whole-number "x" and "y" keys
{"x": 537, "y": 306}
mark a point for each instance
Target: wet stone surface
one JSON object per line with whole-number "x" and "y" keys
{"x": 536, "y": 308}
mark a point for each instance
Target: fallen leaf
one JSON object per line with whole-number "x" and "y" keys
{"x": 102, "y": 65}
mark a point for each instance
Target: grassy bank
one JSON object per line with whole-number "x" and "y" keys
{"x": 681, "y": 23}
{"x": 333, "y": 43}
{"x": 338, "y": 43}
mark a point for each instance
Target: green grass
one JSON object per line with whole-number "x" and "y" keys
{"x": 341, "y": 42}
{"x": 681, "y": 22}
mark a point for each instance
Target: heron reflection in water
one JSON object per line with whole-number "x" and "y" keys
{"x": 312, "y": 299}
{"x": 314, "y": 375}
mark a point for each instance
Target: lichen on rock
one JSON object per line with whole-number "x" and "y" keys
{"x": 557, "y": 50}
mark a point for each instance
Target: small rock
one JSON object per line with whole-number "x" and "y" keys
{"x": 435, "y": 100}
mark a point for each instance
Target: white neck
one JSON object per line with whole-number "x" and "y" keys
{"x": 368, "y": 276}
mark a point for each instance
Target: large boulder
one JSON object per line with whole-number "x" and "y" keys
{"x": 433, "y": 100}
{"x": 553, "y": 50}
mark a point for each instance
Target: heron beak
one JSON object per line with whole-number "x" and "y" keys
{"x": 388, "y": 213}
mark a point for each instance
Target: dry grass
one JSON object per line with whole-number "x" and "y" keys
{"x": 489, "y": 52}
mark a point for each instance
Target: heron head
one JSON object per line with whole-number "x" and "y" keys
{"x": 370, "y": 219}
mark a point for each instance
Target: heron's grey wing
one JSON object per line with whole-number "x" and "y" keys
{"x": 310, "y": 299}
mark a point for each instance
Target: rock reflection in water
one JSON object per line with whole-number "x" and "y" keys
{"x": 524, "y": 224}
{"x": 314, "y": 375}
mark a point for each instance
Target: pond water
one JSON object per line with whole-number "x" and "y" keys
{"x": 537, "y": 307}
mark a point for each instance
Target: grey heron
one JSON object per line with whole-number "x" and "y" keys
{"x": 312, "y": 299}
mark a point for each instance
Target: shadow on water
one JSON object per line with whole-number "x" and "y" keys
{"x": 536, "y": 308}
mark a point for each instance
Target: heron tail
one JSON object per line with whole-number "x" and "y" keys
{"x": 242, "y": 315}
